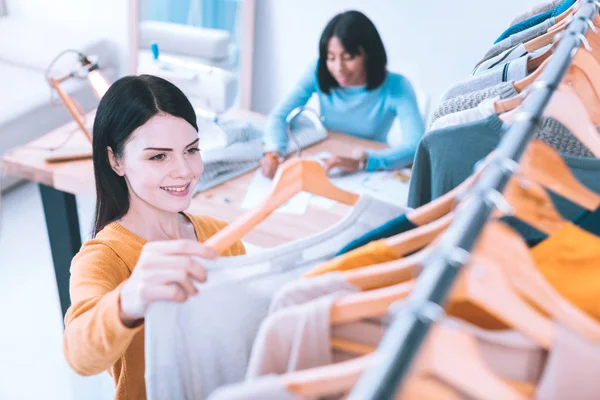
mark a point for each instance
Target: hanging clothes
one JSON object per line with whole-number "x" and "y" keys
{"x": 535, "y": 20}
{"x": 505, "y": 90}
{"x": 445, "y": 158}
{"x": 499, "y": 60}
{"x": 512, "y": 71}
{"x": 194, "y": 347}
{"x": 535, "y": 10}
{"x": 482, "y": 111}
{"x": 393, "y": 227}
{"x": 266, "y": 388}
{"x": 517, "y": 38}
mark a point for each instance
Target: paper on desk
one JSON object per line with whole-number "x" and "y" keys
{"x": 384, "y": 185}
{"x": 260, "y": 187}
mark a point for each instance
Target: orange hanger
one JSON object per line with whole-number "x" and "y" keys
{"x": 566, "y": 107}
{"x": 539, "y": 163}
{"x": 417, "y": 238}
{"x": 327, "y": 380}
{"x": 469, "y": 373}
{"x": 514, "y": 259}
{"x": 490, "y": 291}
{"x": 545, "y": 166}
{"x": 293, "y": 177}
{"x": 441, "y": 206}
{"x": 532, "y": 205}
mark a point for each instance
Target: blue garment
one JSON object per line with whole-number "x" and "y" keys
{"x": 356, "y": 111}
{"x": 393, "y": 227}
{"x": 535, "y": 20}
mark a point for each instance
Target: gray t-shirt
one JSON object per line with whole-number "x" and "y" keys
{"x": 194, "y": 347}
{"x": 446, "y": 157}
{"x": 521, "y": 37}
{"x": 512, "y": 71}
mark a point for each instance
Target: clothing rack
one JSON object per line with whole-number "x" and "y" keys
{"x": 424, "y": 306}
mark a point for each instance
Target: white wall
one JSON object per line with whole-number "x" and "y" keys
{"x": 105, "y": 18}
{"x": 433, "y": 42}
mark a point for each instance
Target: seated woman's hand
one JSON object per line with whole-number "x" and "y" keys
{"x": 346, "y": 164}
{"x": 269, "y": 164}
{"x": 166, "y": 270}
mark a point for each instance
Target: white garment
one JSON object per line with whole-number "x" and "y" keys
{"x": 267, "y": 388}
{"x": 506, "y": 56}
{"x": 194, "y": 347}
{"x": 483, "y": 110}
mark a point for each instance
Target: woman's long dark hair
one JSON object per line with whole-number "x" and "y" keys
{"x": 356, "y": 31}
{"x": 128, "y": 104}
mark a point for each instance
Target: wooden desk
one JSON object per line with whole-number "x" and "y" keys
{"x": 60, "y": 182}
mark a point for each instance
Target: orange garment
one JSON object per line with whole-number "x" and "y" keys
{"x": 570, "y": 262}
{"x": 376, "y": 252}
{"x": 95, "y": 339}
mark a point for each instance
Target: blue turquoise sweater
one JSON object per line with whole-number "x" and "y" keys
{"x": 536, "y": 19}
{"x": 356, "y": 111}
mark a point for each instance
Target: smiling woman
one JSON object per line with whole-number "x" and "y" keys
{"x": 145, "y": 247}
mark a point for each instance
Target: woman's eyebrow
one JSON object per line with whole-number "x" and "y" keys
{"x": 193, "y": 143}
{"x": 168, "y": 149}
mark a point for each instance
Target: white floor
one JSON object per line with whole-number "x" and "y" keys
{"x": 32, "y": 365}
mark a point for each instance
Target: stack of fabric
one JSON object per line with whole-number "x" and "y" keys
{"x": 235, "y": 147}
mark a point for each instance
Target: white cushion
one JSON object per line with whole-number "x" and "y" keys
{"x": 2, "y": 8}
{"x": 33, "y": 45}
{"x": 185, "y": 39}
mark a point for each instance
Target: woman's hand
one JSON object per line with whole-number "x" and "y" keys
{"x": 166, "y": 270}
{"x": 346, "y": 164}
{"x": 269, "y": 164}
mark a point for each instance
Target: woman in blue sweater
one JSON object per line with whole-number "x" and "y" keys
{"x": 358, "y": 96}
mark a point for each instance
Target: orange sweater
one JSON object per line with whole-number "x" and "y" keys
{"x": 95, "y": 340}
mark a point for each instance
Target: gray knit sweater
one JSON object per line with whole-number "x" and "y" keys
{"x": 467, "y": 101}
{"x": 535, "y": 10}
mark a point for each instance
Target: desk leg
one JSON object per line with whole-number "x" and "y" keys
{"x": 62, "y": 222}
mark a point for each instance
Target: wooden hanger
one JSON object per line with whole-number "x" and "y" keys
{"x": 514, "y": 259}
{"x": 545, "y": 166}
{"x": 441, "y": 206}
{"x": 293, "y": 177}
{"x": 566, "y": 107}
{"x": 327, "y": 380}
{"x": 415, "y": 239}
{"x": 532, "y": 205}
{"x": 469, "y": 373}
{"x": 489, "y": 290}
{"x": 539, "y": 163}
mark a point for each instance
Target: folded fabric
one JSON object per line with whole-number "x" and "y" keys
{"x": 471, "y": 100}
{"x": 512, "y": 71}
{"x": 535, "y": 20}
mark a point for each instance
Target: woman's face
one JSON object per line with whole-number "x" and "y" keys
{"x": 161, "y": 163}
{"x": 347, "y": 69}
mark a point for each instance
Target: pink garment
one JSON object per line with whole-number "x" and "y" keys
{"x": 301, "y": 310}
{"x": 265, "y": 388}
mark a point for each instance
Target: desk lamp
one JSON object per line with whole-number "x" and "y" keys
{"x": 86, "y": 69}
